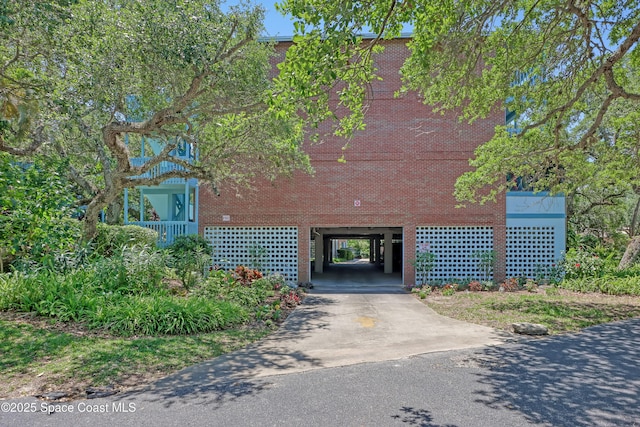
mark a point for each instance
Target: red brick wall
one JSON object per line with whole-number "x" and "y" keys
{"x": 402, "y": 168}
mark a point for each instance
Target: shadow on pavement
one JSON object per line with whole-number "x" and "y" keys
{"x": 233, "y": 375}
{"x": 585, "y": 379}
{"x": 417, "y": 417}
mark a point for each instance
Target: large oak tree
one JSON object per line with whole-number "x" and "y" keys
{"x": 87, "y": 80}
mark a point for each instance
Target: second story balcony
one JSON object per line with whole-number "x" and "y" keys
{"x": 161, "y": 168}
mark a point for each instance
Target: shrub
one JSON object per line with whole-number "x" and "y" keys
{"x": 272, "y": 281}
{"x": 290, "y": 299}
{"x": 510, "y": 285}
{"x": 345, "y": 254}
{"x": 486, "y": 262}
{"x": 112, "y": 238}
{"x": 581, "y": 263}
{"x": 608, "y": 284}
{"x": 425, "y": 262}
{"x": 475, "y": 286}
{"x": 189, "y": 255}
{"x": 192, "y": 243}
{"x": 449, "y": 289}
{"x": 82, "y": 296}
{"x": 167, "y": 316}
{"x": 215, "y": 286}
{"x": 246, "y": 276}
{"x": 531, "y": 285}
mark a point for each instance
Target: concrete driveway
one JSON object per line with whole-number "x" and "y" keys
{"x": 354, "y": 314}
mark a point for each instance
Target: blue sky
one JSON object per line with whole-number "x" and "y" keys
{"x": 275, "y": 23}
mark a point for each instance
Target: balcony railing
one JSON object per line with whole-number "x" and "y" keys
{"x": 169, "y": 230}
{"x": 161, "y": 168}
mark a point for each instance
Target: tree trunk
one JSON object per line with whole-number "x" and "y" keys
{"x": 94, "y": 207}
{"x": 634, "y": 219}
{"x": 114, "y": 211}
{"x": 91, "y": 221}
{"x": 630, "y": 254}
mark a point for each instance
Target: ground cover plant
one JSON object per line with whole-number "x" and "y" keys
{"x": 78, "y": 316}
{"x": 559, "y": 309}
{"x": 586, "y": 288}
{"x": 40, "y": 356}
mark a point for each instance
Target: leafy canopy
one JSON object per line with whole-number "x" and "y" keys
{"x": 566, "y": 70}
{"x": 88, "y": 81}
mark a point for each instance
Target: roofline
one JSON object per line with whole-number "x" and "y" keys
{"x": 366, "y": 36}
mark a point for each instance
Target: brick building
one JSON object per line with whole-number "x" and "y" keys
{"x": 395, "y": 190}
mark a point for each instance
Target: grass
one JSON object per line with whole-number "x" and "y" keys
{"x": 561, "y": 310}
{"x": 39, "y": 358}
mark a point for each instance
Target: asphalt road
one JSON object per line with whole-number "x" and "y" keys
{"x": 587, "y": 379}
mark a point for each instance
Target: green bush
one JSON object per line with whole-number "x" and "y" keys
{"x": 224, "y": 286}
{"x": 345, "y": 254}
{"x": 192, "y": 243}
{"x": 189, "y": 256}
{"x": 112, "y": 238}
{"x": 166, "y": 315}
{"x": 579, "y": 263}
{"x": 608, "y": 284}
{"x": 36, "y": 203}
{"x": 80, "y": 296}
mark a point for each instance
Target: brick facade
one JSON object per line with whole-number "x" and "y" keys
{"x": 401, "y": 168}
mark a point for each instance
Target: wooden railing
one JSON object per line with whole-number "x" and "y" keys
{"x": 161, "y": 168}
{"x": 169, "y": 230}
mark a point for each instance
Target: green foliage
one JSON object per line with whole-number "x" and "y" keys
{"x": 486, "y": 262}
{"x": 125, "y": 295}
{"x": 210, "y": 85}
{"x": 449, "y": 289}
{"x": 425, "y": 262}
{"x": 258, "y": 255}
{"x": 360, "y": 247}
{"x": 552, "y": 274}
{"x": 153, "y": 315}
{"x": 345, "y": 254}
{"x": 607, "y": 284}
{"x": 112, "y": 238}
{"x": 36, "y": 204}
{"x": 191, "y": 243}
{"x": 580, "y": 263}
{"x": 190, "y": 255}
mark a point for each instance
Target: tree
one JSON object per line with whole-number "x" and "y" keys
{"x": 35, "y": 211}
{"x": 110, "y": 72}
{"x": 567, "y": 72}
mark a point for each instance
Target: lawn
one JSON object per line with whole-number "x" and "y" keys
{"x": 560, "y": 310}
{"x": 40, "y": 356}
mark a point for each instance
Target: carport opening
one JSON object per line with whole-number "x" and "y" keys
{"x": 359, "y": 253}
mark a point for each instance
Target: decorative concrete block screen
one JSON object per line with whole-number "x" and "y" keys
{"x": 530, "y": 249}
{"x": 270, "y": 249}
{"x": 454, "y": 248}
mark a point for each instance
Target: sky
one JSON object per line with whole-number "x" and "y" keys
{"x": 276, "y": 24}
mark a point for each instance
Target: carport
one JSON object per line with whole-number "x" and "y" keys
{"x": 385, "y": 245}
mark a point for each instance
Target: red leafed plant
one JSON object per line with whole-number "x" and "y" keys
{"x": 510, "y": 285}
{"x": 246, "y": 276}
{"x": 290, "y": 299}
{"x": 475, "y": 286}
